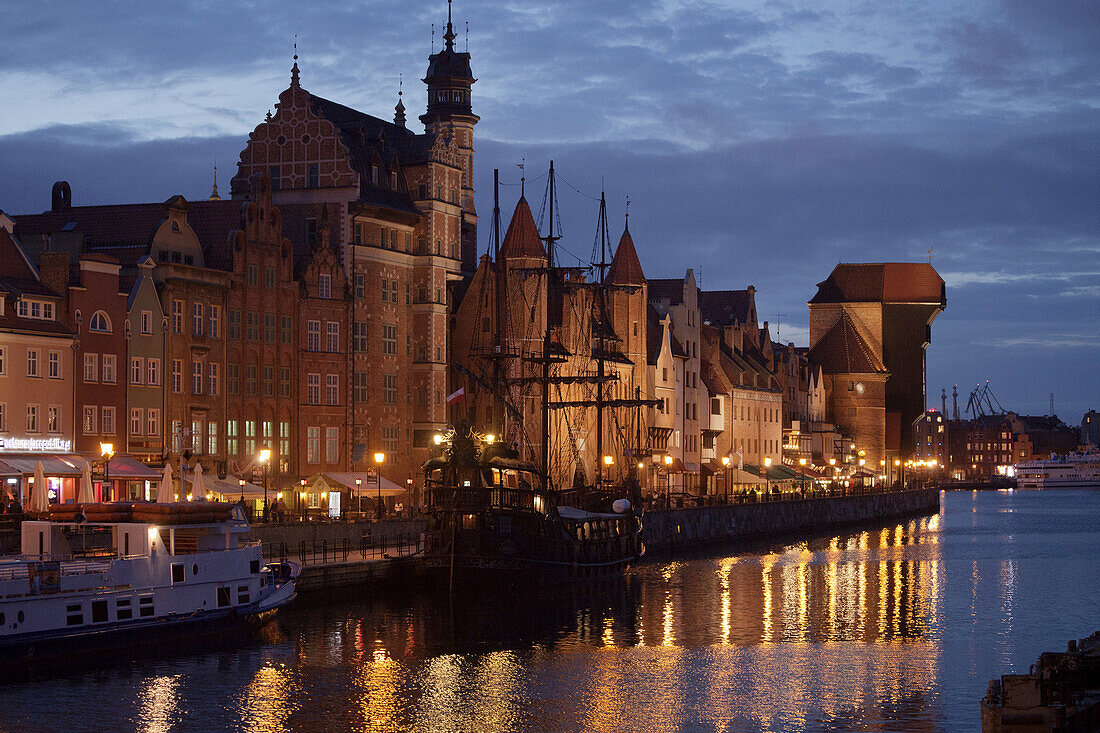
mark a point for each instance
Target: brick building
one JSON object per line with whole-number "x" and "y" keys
{"x": 870, "y": 324}
{"x": 400, "y": 209}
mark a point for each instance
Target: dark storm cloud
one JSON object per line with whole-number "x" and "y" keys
{"x": 760, "y": 144}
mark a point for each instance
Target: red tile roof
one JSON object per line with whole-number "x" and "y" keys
{"x": 114, "y": 224}
{"x": 13, "y": 262}
{"x": 842, "y": 350}
{"x": 889, "y": 282}
{"x": 522, "y": 237}
{"x": 726, "y": 307}
{"x": 625, "y": 268}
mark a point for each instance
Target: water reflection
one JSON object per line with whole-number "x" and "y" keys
{"x": 896, "y": 628}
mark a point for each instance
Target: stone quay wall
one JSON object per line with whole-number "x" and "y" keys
{"x": 670, "y": 530}
{"x": 294, "y": 533}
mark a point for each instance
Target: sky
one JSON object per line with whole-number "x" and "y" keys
{"x": 759, "y": 143}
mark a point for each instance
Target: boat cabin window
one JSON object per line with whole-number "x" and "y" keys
{"x": 511, "y": 480}
{"x": 177, "y": 572}
{"x": 99, "y": 611}
{"x": 223, "y": 597}
{"x": 254, "y": 567}
{"x": 145, "y": 606}
{"x": 123, "y": 611}
{"x": 469, "y": 521}
{"x": 243, "y": 595}
{"x": 74, "y": 614}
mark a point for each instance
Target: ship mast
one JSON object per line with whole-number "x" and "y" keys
{"x": 601, "y": 312}
{"x": 550, "y": 238}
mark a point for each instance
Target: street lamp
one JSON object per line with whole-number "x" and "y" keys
{"x": 802, "y": 470}
{"x": 241, "y": 482}
{"x": 726, "y": 476}
{"x": 265, "y": 456}
{"x": 301, "y": 499}
{"x": 358, "y": 492}
{"x": 378, "y": 459}
{"x": 767, "y": 465}
{"x": 668, "y": 481}
{"x": 106, "y": 450}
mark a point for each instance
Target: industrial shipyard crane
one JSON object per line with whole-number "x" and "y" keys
{"x": 982, "y": 402}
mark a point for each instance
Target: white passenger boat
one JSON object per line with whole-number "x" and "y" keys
{"x": 103, "y": 569}
{"x": 1072, "y": 471}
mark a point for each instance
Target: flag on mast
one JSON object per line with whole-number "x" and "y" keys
{"x": 455, "y": 397}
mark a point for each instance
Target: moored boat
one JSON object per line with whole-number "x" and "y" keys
{"x": 93, "y": 570}
{"x": 1072, "y": 471}
{"x": 492, "y": 517}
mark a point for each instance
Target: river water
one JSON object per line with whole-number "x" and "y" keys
{"x": 892, "y": 629}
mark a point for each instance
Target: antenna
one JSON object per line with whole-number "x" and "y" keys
{"x": 467, "y": 36}
{"x": 433, "y": 37}
{"x": 1052, "y": 404}
{"x": 522, "y": 175}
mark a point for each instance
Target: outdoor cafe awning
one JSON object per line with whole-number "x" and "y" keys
{"x": 123, "y": 468}
{"x": 230, "y": 487}
{"x": 346, "y": 482}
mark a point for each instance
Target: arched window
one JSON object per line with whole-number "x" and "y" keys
{"x": 100, "y": 322}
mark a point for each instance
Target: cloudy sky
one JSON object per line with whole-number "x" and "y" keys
{"x": 759, "y": 142}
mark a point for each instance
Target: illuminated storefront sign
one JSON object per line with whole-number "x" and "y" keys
{"x": 35, "y": 445}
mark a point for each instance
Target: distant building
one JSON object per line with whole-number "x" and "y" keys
{"x": 1090, "y": 429}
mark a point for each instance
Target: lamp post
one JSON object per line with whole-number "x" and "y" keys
{"x": 767, "y": 465}
{"x": 668, "y": 481}
{"x": 358, "y": 488}
{"x": 241, "y": 482}
{"x": 106, "y": 450}
{"x": 861, "y": 462}
{"x": 897, "y": 472}
{"x": 608, "y": 462}
{"x": 726, "y": 477}
{"x": 378, "y": 459}
{"x": 265, "y": 456}
{"x": 302, "y": 499}
{"x": 802, "y": 471}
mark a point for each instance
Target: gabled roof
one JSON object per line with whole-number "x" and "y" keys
{"x": 14, "y": 262}
{"x": 352, "y": 120}
{"x": 889, "y": 282}
{"x": 625, "y": 268}
{"x": 726, "y": 307}
{"x": 522, "y": 237}
{"x": 842, "y": 350}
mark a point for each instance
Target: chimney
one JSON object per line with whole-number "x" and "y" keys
{"x": 53, "y": 270}
{"x": 61, "y": 197}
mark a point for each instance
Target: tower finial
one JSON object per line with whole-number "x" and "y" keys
{"x": 214, "y": 192}
{"x": 449, "y": 36}
{"x": 294, "y": 69}
{"x": 522, "y": 175}
{"x": 627, "y": 227}
{"x": 399, "y": 110}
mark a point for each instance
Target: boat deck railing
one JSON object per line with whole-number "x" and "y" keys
{"x": 495, "y": 497}
{"x": 16, "y": 570}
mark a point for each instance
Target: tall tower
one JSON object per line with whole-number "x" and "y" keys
{"x": 450, "y": 113}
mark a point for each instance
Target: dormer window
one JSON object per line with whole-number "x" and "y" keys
{"x": 36, "y": 309}
{"x": 175, "y": 226}
{"x": 324, "y": 286}
{"x": 374, "y": 175}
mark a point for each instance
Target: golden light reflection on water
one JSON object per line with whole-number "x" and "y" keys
{"x": 268, "y": 700}
{"x": 158, "y": 704}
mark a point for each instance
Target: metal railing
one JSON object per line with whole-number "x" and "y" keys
{"x": 684, "y": 500}
{"x": 384, "y": 547}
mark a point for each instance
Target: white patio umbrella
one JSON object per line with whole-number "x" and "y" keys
{"x": 198, "y": 489}
{"x": 86, "y": 495}
{"x": 40, "y": 500}
{"x": 165, "y": 494}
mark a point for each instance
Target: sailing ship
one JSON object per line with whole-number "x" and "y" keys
{"x": 504, "y": 502}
